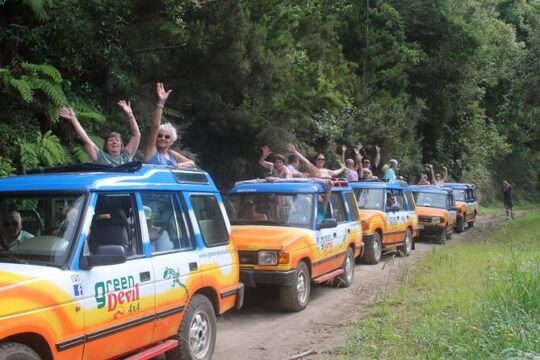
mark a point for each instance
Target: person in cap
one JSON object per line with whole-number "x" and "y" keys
{"x": 366, "y": 163}
{"x": 390, "y": 170}
{"x": 114, "y": 152}
{"x": 438, "y": 179}
{"x": 277, "y": 168}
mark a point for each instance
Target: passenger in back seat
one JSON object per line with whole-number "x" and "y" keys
{"x": 159, "y": 237}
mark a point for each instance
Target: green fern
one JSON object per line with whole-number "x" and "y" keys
{"x": 28, "y": 157}
{"x": 6, "y": 167}
{"x": 50, "y": 150}
{"x": 43, "y": 69}
{"x": 97, "y": 117}
{"x": 53, "y": 91}
{"x": 37, "y": 7}
{"x": 23, "y": 87}
{"x": 172, "y": 113}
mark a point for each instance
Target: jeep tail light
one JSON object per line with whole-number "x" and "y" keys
{"x": 284, "y": 257}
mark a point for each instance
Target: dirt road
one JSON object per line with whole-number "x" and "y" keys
{"x": 260, "y": 330}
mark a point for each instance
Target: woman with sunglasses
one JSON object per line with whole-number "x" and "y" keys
{"x": 162, "y": 136}
{"x": 114, "y": 152}
{"x": 317, "y": 170}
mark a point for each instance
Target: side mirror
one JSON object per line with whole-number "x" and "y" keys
{"x": 105, "y": 255}
{"x": 392, "y": 208}
{"x": 327, "y": 223}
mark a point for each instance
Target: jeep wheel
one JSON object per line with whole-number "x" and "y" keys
{"x": 296, "y": 296}
{"x": 197, "y": 334}
{"x": 406, "y": 248}
{"x": 373, "y": 250}
{"x": 460, "y": 224}
{"x": 15, "y": 351}
{"x": 346, "y": 279}
{"x": 472, "y": 223}
{"x": 441, "y": 237}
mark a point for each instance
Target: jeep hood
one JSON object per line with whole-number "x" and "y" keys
{"x": 267, "y": 237}
{"x": 429, "y": 211}
{"x": 368, "y": 214}
{"x": 29, "y": 287}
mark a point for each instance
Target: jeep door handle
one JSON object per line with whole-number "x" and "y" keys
{"x": 349, "y": 230}
{"x": 335, "y": 235}
{"x": 193, "y": 266}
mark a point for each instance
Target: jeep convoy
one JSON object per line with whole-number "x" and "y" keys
{"x": 147, "y": 252}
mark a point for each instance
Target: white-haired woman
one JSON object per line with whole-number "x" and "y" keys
{"x": 162, "y": 136}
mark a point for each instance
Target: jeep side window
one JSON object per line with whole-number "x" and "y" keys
{"x": 111, "y": 226}
{"x": 210, "y": 219}
{"x": 338, "y": 207}
{"x": 410, "y": 201}
{"x": 352, "y": 205}
{"x": 400, "y": 201}
{"x": 165, "y": 223}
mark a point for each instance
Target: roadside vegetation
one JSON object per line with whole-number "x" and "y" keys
{"x": 477, "y": 300}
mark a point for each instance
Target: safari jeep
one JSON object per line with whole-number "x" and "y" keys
{"x": 436, "y": 211}
{"x": 123, "y": 262}
{"x": 389, "y": 220}
{"x": 280, "y": 241}
{"x": 467, "y": 204}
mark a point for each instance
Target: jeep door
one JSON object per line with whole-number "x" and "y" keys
{"x": 169, "y": 244}
{"x": 119, "y": 297}
{"x": 396, "y": 217}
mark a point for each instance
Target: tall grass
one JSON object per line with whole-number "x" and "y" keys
{"x": 476, "y": 300}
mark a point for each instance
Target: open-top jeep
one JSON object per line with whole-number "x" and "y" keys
{"x": 285, "y": 237}
{"x": 467, "y": 204}
{"x": 388, "y": 218}
{"x": 436, "y": 211}
{"x": 114, "y": 262}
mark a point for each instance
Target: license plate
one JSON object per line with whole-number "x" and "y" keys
{"x": 421, "y": 226}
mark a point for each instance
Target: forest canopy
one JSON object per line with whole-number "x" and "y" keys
{"x": 442, "y": 82}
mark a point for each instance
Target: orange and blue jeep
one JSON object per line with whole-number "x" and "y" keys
{"x": 114, "y": 263}
{"x": 282, "y": 241}
{"x": 436, "y": 211}
{"x": 389, "y": 220}
{"x": 467, "y": 204}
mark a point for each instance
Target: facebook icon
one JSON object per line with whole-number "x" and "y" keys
{"x": 77, "y": 289}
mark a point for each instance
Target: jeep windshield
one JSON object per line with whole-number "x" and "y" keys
{"x": 370, "y": 199}
{"x": 275, "y": 209}
{"x": 459, "y": 195}
{"x": 430, "y": 200}
{"x": 38, "y": 229}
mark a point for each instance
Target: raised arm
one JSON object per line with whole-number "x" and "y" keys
{"x": 156, "y": 121}
{"x": 89, "y": 145}
{"x": 181, "y": 160}
{"x": 343, "y": 151}
{"x": 133, "y": 144}
{"x": 445, "y": 173}
{"x": 262, "y": 160}
{"x": 312, "y": 169}
{"x": 432, "y": 173}
{"x": 357, "y": 156}
{"x": 377, "y": 156}
{"x": 334, "y": 173}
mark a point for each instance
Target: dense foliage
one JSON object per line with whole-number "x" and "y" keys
{"x": 446, "y": 82}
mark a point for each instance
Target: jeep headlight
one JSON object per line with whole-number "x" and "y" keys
{"x": 267, "y": 257}
{"x": 436, "y": 219}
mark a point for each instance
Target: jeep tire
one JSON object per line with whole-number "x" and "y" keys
{"x": 197, "y": 333}
{"x": 460, "y": 224}
{"x": 346, "y": 279}
{"x": 295, "y": 297}
{"x": 472, "y": 223}
{"x": 441, "y": 237}
{"x": 16, "y": 351}
{"x": 406, "y": 248}
{"x": 373, "y": 250}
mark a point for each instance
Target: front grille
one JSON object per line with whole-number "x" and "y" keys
{"x": 424, "y": 219}
{"x": 248, "y": 257}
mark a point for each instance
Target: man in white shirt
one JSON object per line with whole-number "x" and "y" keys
{"x": 12, "y": 234}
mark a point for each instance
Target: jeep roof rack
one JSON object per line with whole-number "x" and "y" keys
{"x": 132, "y": 166}
{"x": 271, "y": 180}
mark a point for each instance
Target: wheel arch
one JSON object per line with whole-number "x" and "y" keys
{"x": 212, "y": 295}
{"x": 34, "y": 341}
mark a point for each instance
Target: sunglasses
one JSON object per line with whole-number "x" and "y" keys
{"x": 164, "y": 136}
{"x": 10, "y": 223}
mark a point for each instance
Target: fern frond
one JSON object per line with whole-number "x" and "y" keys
{"x": 81, "y": 155}
{"x": 37, "y": 7}
{"x": 97, "y": 117}
{"x": 44, "y": 69}
{"x": 28, "y": 157}
{"x": 172, "y": 113}
{"x": 50, "y": 150}
{"x": 6, "y": 166}
{"x": 52, "y": 90}
{"x": 23, "y": 87}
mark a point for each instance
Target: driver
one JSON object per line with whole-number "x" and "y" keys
{"x": 12, "y": 234}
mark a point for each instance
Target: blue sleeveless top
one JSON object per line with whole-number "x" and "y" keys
{"x": 159, "y": 159}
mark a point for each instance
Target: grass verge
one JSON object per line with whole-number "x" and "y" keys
{"x": 476, "y": 300}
